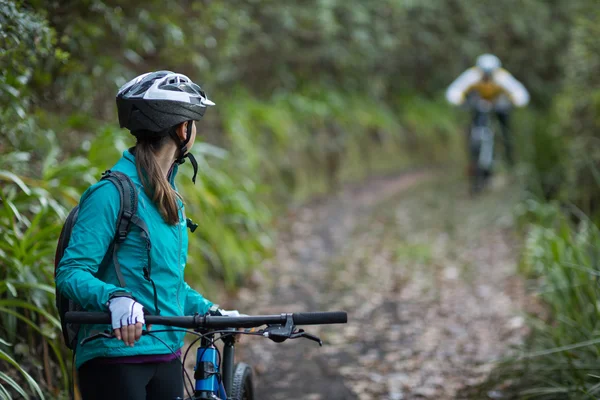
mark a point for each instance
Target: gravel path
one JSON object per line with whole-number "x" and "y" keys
{"x": 426, "y": 274}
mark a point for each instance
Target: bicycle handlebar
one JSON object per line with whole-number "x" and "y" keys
{"x": 215, "y": 322}
{"x": 320, "y": 318}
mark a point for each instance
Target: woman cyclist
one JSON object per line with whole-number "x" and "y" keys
{"x": 159, "y": 109}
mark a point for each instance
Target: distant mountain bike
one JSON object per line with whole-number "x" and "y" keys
{"x": 216, "y": 377}
{"x": 481, "y": 146}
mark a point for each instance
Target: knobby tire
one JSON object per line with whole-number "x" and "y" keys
{"x": 242, "y": 387}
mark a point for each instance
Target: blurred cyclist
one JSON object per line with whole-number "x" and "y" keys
{"x": 487, "y": 81}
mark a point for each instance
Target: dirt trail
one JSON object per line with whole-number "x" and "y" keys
{"x": 425, "y": 274}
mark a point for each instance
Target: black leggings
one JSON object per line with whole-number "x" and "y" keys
{"x": 153, "y": 381}
{"x": 506, "y": 138}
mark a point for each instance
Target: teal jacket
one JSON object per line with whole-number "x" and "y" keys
{"x": 79, "y": 278}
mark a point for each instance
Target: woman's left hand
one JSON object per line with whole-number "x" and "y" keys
{"x": 127, "y": 317}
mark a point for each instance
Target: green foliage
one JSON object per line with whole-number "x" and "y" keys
{"x": 559, "y": 359}
{"x": 560, "y": 143}
{"x": 25, "y": 38}
{"x": 434, "y": 132}
{"x": 541, "y": 144}
{"x": 233, "y": 234}
{"x": 309, "y": 94}
{"x": 376, "y": 49}
{"x": 10, "y": 383}
{"x": 30, "y": 221}
{"x": 291, "y": 140}
{"x": 579, "y": 110}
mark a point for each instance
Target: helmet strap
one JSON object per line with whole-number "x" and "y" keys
{"x": 183, "y": 149}
{"x": 194, "y": 165}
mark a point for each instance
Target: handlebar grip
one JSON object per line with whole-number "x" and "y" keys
{"x": 320, "y": 318}
{"x": 86, "y": 317}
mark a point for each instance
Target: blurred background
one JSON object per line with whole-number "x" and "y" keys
{"x": 322, "y": 106}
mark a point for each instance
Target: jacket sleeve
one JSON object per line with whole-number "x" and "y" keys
{"x": 195, "y": 302}
{"x": 455, "y": 94}
{"x": 515, "y": 89}
{"x": 92, "y": 234}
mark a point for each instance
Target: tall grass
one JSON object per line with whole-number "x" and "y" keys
{"x": 561, "y": 357}
{"x": 564, "y": 346}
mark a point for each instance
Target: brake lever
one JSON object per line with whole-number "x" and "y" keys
{"x": 302, "y": 334}
{"x": 280, "y": 333}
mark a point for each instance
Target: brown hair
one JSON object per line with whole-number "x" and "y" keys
{"x": 156, "y": 185}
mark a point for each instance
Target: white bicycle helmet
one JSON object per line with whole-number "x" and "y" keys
{"x": 153, "y": 103}
{"x": 156, "y": 101}
{"x": 488, "y": 63}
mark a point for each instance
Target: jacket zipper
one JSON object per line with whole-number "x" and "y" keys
{"x": 148, "y": 277}
{"x": 179, "y": 265}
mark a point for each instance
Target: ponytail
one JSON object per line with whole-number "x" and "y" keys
{"x": 156, "y": 185}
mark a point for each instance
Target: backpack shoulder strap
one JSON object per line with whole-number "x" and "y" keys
{"x": 127, "y": 215}
{"x": 129, "y": 201}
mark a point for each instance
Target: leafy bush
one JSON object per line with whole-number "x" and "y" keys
{"x": 30, "y": 221}
{"x": 561, "y": 141}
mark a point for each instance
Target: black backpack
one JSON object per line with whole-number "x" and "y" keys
{"x": 126, "y": 217}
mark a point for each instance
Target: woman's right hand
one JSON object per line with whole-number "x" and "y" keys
{"x": 127, "y": 317}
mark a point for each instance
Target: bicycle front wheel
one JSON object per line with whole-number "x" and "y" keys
{"x": 242, "y": 387}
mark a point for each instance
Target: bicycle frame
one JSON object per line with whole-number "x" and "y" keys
{"x": 207, "y": 367}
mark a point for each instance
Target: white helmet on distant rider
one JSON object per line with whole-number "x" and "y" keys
{"x": 488, "y": 63}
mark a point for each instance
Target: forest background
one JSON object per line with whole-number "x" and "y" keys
{"x": 310, "y": 95}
